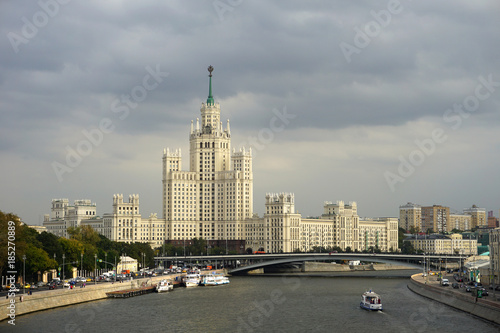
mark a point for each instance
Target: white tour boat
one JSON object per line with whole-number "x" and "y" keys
{"x": 191, "y": 280}
{"x": 371, "y": 301}
{"x": 164, "y": 285}
{"x": 214, "y": 280}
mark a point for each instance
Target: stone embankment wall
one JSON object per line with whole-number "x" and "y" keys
{"x": 48, "y": 299}
{"x": 482, "y": 307}
{"x": 327, "y": 267}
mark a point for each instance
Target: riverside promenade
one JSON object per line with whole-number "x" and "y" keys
{"x": 487, "y": 307}
{"x": 49, "y": 299}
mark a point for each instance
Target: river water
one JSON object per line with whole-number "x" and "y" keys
{"x": 262, "y": 304}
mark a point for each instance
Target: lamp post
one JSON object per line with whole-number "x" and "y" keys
{"x": 64, "y": 257}
{"x": 105, "y": 261}
{"x": 95, "y": 268}
{"x": 81, "y": 264}
{"x": 24, "y": 273}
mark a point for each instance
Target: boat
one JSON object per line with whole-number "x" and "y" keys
{"x": 191, "y": 280}
{"x": 371, "y": 301}
{"x": 164, "y": 285}
{"x": 214, "y": 280}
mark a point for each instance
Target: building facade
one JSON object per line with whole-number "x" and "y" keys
{"x": 410, "y": 217}
{"x": 460, "y": 222}
{"x": 478, "y": 216}
{"x": 495, "y": 255}
{"x": 442, "y": 244}
{"x": 436, "y": 217}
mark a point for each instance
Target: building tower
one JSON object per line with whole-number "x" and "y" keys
{"x": 215, "y": 196}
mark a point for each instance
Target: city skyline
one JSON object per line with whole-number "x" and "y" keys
{"x": 376, "y": 103}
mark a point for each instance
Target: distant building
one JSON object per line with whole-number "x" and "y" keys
{"x": 478, "y": 216}
{"x": 492, "y": 220}
{"x": 441, "y": 244}
{"x": 460, "y": 222}
{"x": 495, "y": 254}
{"x": 63, "y": 215}
{"x": 410, "y": 215}
{"x": 436, "y": 217}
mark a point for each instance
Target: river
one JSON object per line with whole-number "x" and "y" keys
{"x": 262, "y": 304}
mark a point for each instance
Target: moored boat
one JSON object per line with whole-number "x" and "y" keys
{"x": 191, "y": 280}
{"x": 371, "y": 301}
{"x": 214, "y": 280}
{"x": 164, "y": 285}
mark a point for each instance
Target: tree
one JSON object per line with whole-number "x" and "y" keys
{"x": 407, "y": 248}
{"x": 348, "y": 249}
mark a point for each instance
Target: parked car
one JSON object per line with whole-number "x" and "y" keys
{"x": 485, "y": 292}
{"x": 41, "y": 284}
{"x": 455, "y": 285}
{"x": 445, "y": 282}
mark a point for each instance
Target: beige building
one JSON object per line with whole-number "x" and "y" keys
{"x": 495, "y": 254}
{"x": 436, "y": 217}
{"x": 460, "y": 222}
{"x": 441, "y": 244}
{"x": 63, "y": 216}
{"x": 478, "y": 216}
{"x": 410, "y": 216}
{"x": 126, "y": 263}
{"x": 381, "y": 233}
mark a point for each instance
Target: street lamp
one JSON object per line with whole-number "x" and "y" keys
{"x": 64, "y": 257}
{"x": 95, "y": 269}
{"x": 81, "y": 263}
{"x": 24, "y": 273}
{"x": 106, "y": 261}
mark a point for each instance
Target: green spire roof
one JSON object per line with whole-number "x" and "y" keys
{"x": 210, "y": 99}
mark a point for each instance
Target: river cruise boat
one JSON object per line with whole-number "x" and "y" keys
{"x": 214, "y": 280}
{"x": 164, "y": 285}
{"x": 371, "y": 301}
{"x": 191, "y": 280}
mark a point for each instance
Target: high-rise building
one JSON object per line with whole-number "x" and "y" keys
{"x": 478, "y": 216}
{"x": 459, "y": 222}
{"x": 436, "y": 217}
{"x": 492, "y": 220}
{"x": 215, "y": 196}
{"x": 410, "y": 217}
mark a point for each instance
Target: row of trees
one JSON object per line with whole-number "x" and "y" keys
{"x": 196, "y": 246}
{"x": 45, "y": 251}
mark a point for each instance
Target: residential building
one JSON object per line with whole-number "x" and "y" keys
{"x": 492, "y": 220}
{"x": 436, "y": 218}
{"x": 442, "y": 244}
{"x": 495, "y": 254}
{"x": 478, "y": 216}
{"x": 460, "y": 222}
{"x": 410, "y": 217}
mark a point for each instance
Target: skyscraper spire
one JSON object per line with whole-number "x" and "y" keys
{"x": 210, "y": 99}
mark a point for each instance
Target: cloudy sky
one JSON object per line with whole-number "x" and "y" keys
{"x": 378, "y": 102}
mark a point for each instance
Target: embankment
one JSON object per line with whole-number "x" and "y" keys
{"x": 49, "y": 299}
{"x": 458, "y": 299}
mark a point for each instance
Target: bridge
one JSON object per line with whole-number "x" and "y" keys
{"x": 249, "y": 262}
